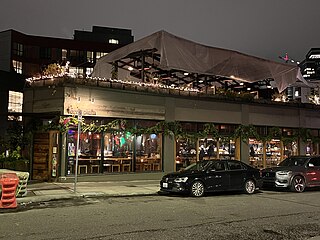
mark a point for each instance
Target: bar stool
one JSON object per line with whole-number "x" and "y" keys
{"x": 126, "y": 166}
{"x": 139, "y": 167}
{"x": 117, "y": 166}
{"x": 95, "y": 167}
{"x": 155, "y": 166}
{"x": 108, "y": 167}
{"x": 85, "y": 167}
{"x": 146, "y": 166}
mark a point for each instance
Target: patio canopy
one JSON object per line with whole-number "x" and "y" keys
{"x": 176, "y": 61}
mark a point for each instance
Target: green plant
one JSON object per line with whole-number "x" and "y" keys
{"x": 11, "y": 156}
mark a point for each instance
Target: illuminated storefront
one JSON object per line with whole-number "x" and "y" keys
{"x": 209, "y": 129}
{"x": 119, "y": 151}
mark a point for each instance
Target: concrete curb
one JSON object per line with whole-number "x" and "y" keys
{"x": 47, "y": 198}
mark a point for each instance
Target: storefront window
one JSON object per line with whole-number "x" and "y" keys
{"x": 208, "y": 149}
{"x": 118, "y": 150}
{"x": 290, "y": 149}
{"x": 89, "y": 152}
{"x": 273, "y": 152}
{"x": 186, "y": 152}
{"x": 227, "y": 149}
{"x": 256, "y": 153}
{"x": 311, "y": 148}
{"x": 148, "y": 152}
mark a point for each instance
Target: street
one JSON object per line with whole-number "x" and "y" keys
{"x": 264, "y": 215}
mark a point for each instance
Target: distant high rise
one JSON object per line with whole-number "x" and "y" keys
{"x": 310, "y": 67}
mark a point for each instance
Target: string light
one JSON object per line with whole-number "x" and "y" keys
{"x": 126, "y": 82}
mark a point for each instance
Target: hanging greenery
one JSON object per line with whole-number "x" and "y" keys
{"x": 174, "y": 129}
{"x": 245, "y": 132}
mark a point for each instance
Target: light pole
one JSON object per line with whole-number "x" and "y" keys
{"x": 77, "y": 151}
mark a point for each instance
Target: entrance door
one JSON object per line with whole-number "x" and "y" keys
{"x": 45, "y": 156}
{"x": 40, "y": 163}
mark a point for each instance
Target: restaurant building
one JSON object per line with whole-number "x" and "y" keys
{"x": 166, "y": 115}
{"x": 120, "y": 151}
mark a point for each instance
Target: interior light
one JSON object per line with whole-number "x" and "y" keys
{"x": 130, "y": 68}
{"x": 241, "y": 84}
{"x": 186, "y": 74}
{"x": 248, "y": 89}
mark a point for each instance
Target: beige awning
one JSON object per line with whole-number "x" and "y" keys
{"x": 169, "y": 52}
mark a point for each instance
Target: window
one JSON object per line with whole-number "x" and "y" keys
{"x": 100, "y": 54}
{"x": 218, "y": 166}
{"x": 186, "y": 152}
{"x": 15, "y": 104}
{"x": 148, "y": 152}
{"x": 45, "y": 53}
{"x": 17, "y": 66}
{"x": 315, "y": 162}
{"x": 17, "y": 49}
{"x": 113, "y": 41}
{"x": 89, "y": 152}
{"x": 234, "y": 165}
{"x": 75, "y": 71}
{"x": 89, "y": 71}
{"x": 64, "y": 54}
{"x": 90, "y": 57}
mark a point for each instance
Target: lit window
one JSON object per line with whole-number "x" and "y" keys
{"x": 113, "y": 41}
{"x": 15, "y": 104}
{"x": 76, "y": 71}
{"x": 89, "y": 71}
{"x": 90, "y": 57}
{"x": 64, "y": 54}
{"x": 100, "y": 54}
{"x": 17, "y": 66}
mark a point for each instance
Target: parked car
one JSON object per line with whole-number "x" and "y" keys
{"x": 295, "y": 173}
{"x": 212, "y": 175}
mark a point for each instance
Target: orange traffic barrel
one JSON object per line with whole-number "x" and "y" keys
{"x": 8, "y": 183}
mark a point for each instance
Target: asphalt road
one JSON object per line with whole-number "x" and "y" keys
{"x": 264, "y": 215}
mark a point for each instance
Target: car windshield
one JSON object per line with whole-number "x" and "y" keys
{"x": 198, "y": 166}
{"x": 290, "y": 162}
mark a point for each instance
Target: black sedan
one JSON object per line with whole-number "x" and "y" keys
{"x": 295, "y": 173}
{"x": 210, "y": 176}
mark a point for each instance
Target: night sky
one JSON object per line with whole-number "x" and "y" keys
{"x": 263, "y": 28}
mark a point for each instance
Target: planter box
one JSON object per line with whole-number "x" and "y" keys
{"x": 20, "y": 165}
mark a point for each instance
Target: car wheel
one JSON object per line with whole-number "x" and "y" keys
{"x": 249, "y": 186}
{"x": 298, "y": 184}
{"x": 197, "y": 189}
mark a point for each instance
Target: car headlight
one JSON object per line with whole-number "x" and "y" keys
{"x": 284, "y": 172}
{"x": 181, "y": 179}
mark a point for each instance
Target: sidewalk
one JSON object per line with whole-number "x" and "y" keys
{"x": 42, "y": 192}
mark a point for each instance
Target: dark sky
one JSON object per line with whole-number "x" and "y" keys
{"x": 263, "y": 28}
